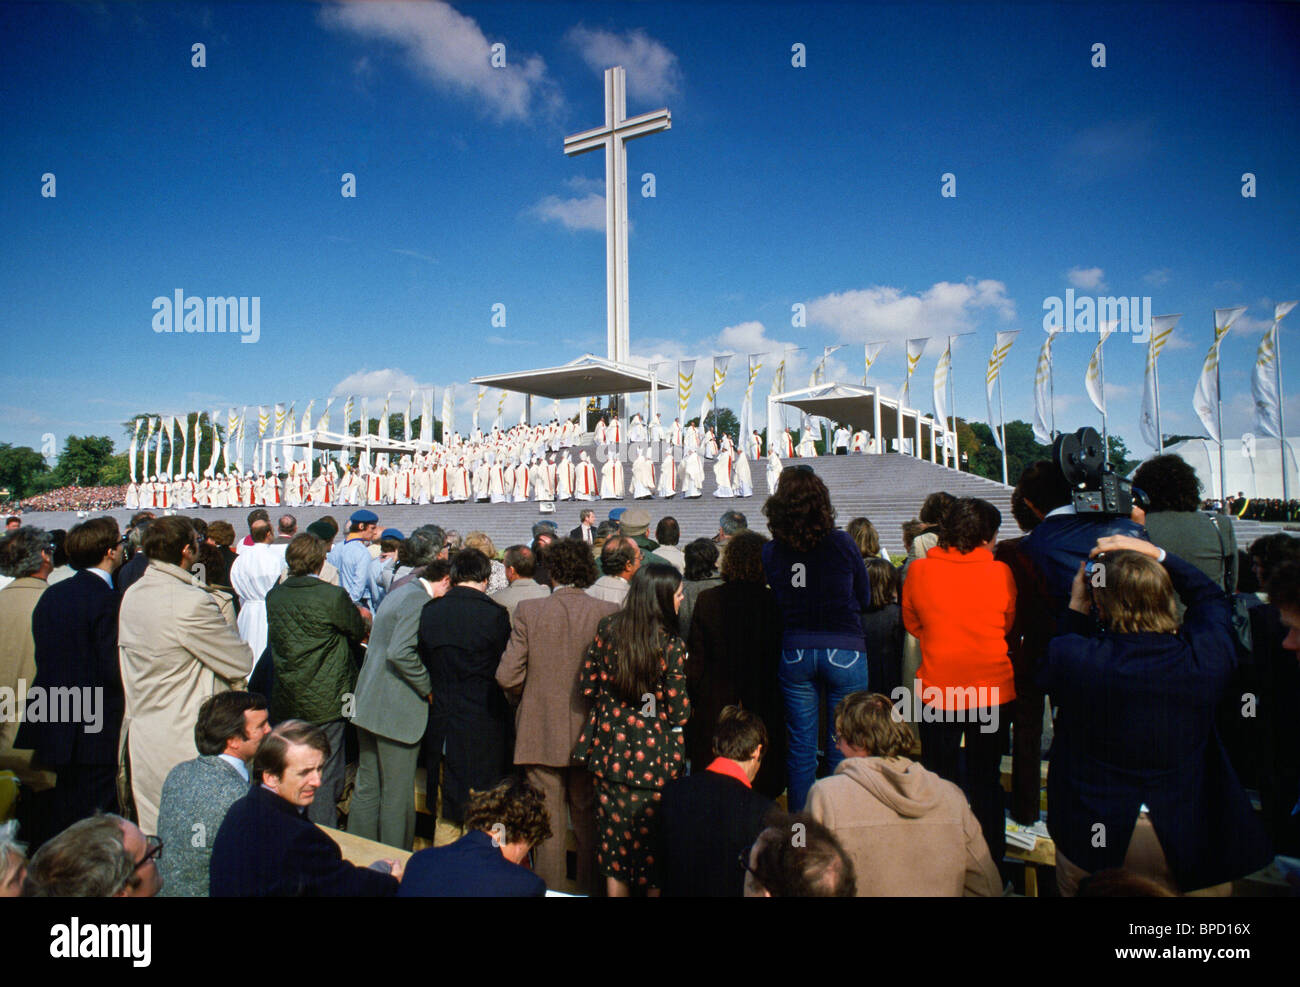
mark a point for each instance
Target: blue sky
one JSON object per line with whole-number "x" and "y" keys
{"x": 776, "y": 186}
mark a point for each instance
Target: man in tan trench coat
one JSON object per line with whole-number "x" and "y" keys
{"x": 178, "y": 646}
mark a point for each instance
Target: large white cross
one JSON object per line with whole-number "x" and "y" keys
{"x": 613, "y": 136}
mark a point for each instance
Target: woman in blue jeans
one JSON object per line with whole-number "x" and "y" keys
{"x": 821, "y": 586}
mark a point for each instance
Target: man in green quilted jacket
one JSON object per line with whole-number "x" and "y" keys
{"x": 315, "y": 632}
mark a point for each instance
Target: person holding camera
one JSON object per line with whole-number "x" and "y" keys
{"x": 1139, "y": 778}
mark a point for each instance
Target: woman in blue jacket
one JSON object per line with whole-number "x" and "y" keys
{"x": 1139, "y": 778}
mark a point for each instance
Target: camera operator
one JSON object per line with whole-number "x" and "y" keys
{"x": 1137, "y": 757}
{"x": 1044, "y": 564}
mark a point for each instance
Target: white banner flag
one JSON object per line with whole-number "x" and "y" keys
{"x": 383, "y": 419}
{"x": 774, "y": 424}
{"x": 1092, "y": 380}
{"x": 941, "y": 371}
{"x": 478, "y": 400}
{"x": 426, "y": 415}
{"x": 719, "y": 375}
{"x": 131, "y": 452}
{"x": 1162, "y": 327}
{"x": 449, "y": 413}
{"x": 747, "y": 406}
{"x": 216, "y": 441}
{"x": 239, "y": 439}
{"x": 347, "y": 416}
{"x": 1044, "y": 415}
{"x": 685, "y": 380}
{"x": 324, "y": 424}
{"x": 1206, "y": 398}
{"x": 915, "y": 347}
{"x": 406, "y": 420}
{"x": 1264, "y": 382}
{"x": 1001, "y": 347}
{"x": 870, "y": 353}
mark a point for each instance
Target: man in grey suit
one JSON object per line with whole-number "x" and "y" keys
{"x": 391, "y": 707}
{"x": 541, "y": 667}
{"x": 520, "y": 565}
{"x": 197, "y": 794}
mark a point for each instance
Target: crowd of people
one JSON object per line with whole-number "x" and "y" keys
{"x": 1257, "y": 508}
{"x": 70, "y": 499}
{"x": 741, "y": 714}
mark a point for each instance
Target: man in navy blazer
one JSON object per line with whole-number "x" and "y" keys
{"x": 503, "y": 825}
{"x": 266, "y": 846}
{"x": 74, "y": 707}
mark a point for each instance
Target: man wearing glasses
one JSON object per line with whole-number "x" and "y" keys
{"x": 104, "y": 856}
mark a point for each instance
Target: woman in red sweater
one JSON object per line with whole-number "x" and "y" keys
{"x": 959, "y": 602}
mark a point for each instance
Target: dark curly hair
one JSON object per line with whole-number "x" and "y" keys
{"x": 701, "y": 559}
{"x": 742, "y": 558}
{"x": 513, "y": 805}
{"x": 571, "y": 563}
{"x": 1170, "y": 484}
{"x": 968, "y": 524}
{"x": 1041, "y": 489}
{"x": 935, "y": 507}
{"x": 800, "y": 514}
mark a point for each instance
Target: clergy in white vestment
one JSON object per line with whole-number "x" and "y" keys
{"x": 690, "y": 438}
{"x": 253, "y": 575}
{"x": 861, "y": 440}
{"x": 248, "y": 492}
{"x": 565, "y": 476}
{"x": 710, "y": 445}
{"x": 611, "y": 478}
{"x": 842, "y": 439}
{"x": 601, "y": 430}
{"x": 742, "y": 483}
{"x": 614, "y": 433}
{"x": 668, "y": 477}
{"x": 756, "y": 445}
{"x": 523, "y": 483}
{"x": 643, "y": 476}
{"x": 692, "y": 474}
{"x": 774, "y": 468}
{"x": 807, "y": 446}
{"x": 541, "y": 480}
{"x": 132, "y": 496}
{"x": 636, "y": 429}
{"x": 482, "y": 480}
{"x": 584, "y": 486}
{"x": 656, "y": 429}
{"x": 459, "y": 481}
{"x": 496, "y": 483}
{"x": 722, "y": 474}
{"x": 785, "y": 444}
{"x": 675, "y": 433}
{"x": 316, "y": 492}
{"x": 439, "y": 486}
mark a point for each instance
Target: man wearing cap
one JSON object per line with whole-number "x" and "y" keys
{"x": 353, "y": 558}
{"x": 634, "y": 524}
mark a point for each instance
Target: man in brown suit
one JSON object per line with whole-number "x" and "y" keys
{"x": 540, "y": 667}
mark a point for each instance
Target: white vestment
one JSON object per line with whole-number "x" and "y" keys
{"x": 254, "y": 574}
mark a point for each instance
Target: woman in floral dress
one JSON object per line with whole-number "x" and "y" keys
{"x": 635, "y": 677}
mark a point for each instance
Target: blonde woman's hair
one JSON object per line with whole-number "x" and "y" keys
{"x": 1135, "y": 594}
{"x": 480, "y": 540}
{"x": 867, "y": 721}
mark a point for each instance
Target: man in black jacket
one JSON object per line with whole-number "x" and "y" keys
{"x": 462, "y": 637}
{"x": 709, "y": 818}
{"x": 266, "y": 846}
{"x": 74, "y": 730}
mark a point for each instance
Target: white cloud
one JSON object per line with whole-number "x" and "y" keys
{"x": 890, "y": 314}
{"x": 1158, "y": 277}
{"x": 374, "y": 384}
{"x": 653, "y": 72}
{"x": 1088, "y": 278}
{"x": 450, "y": 50}
{"x": 1248, "y": 326}
{"x": 585, "y": 212}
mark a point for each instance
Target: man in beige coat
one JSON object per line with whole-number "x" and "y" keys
{"x": 548, "y": 641}
{"x": 909, "y": 832}
{"x": 27, "y": 558}
{"x": 178, "y": 646}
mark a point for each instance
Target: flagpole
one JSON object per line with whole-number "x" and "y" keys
{"x": 952, "y": 406}
{"x": 1101, "y": 380}
{"x": 1155, "y": 376}
{"x": 1002, "y": 426}
{"x": 1281, "y": 419}
{"x": 1218, "y": 411}
{"x": 1051, "y": 392}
